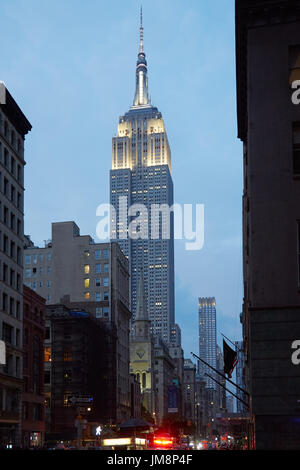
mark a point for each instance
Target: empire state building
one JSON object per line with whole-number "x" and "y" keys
{"x": 141, "y": 175}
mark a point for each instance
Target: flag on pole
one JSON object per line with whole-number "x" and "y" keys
{"x": 230, "y": 359}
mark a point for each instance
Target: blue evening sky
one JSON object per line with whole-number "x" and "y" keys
{"x": 70, "y": 65}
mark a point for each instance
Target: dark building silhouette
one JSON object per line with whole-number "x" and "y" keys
{"x": 268, "y": 64}
{"x": 83, "y": 351}
{"x": 33, "y": 398}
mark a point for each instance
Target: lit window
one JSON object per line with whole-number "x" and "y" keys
{"x": 86, "y": 268}
{"x": 87, "y": 295}
{"x": 68, "y": 354}
{"x": 47, "y": 354}
{"x": 86, "y": 283}
{"x": 87, "y": 253}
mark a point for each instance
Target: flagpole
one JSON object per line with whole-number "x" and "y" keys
{"x": 218, "y": 372}
{"x": 227, "y": 390}
{"x": 229, "y": 340}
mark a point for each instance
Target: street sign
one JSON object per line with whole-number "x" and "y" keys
{"x": 80, "y": 399}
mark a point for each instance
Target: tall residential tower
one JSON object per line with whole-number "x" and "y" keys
{"x": 141, "y": 175}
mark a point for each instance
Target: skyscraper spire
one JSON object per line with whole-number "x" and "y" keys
{"x": 141, "y": 97}
{"x": 141, "y": 32}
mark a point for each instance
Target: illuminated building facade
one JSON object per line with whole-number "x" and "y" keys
{"x": 141, "y": 174}
{"x": 207, "y": 338}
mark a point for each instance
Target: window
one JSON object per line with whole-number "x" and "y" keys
{"x": 97, "y": 282}
{"x": 27, "y": 259}
{"x": 86, "y": 253}
{"x": 68, "y": 354}
{"x": 97, "y": 296}
{"x": 7, "y": 333}
{"x": 106, "y": 295}
{"x": 67, "y": 375}
{"x": 47, "y": 354}
{"x": 105, "y": 281}
{"x": 105, "y": 253}
{"x": 86, "y": 295}
{"x": 86, "y": 268}
{"x": 98, "y": 268}
{"x": 106, "y": 268}
{"x": 99, "y": 312}
{"x": 97, "y": 254}
{"x": 47, "y": 377}
{"x": 34, "y": 259}
{"x": 86, "y": 283}
{"x": 105, "y": 312}
{"x": 294, "y": 63}
{"x": 296, "y": 148}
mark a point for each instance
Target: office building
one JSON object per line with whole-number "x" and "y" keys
{"x": 207, "y": 338}
{"x": 82, "y": 357}
{"x": 268, "y": 66}
{"x": 13, "y": 128}
{"x": 189, "y": 391}
{"x": 141, "y": 174}
{"x": 73, "y": 270}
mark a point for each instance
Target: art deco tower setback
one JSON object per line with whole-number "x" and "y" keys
{"x": 141, "y": 174}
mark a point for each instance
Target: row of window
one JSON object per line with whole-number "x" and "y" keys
{"x": 33, "y": 259}
{"x": 10, "y": 191}
{"x": 10, "y": 277}
{"x": 11, "y": 306}
{"x": 98, "y": 296}
{"x": 10, "y": 134}
{"x": 32, "y": 272}
{"x": 10, "y": 248}
{"x": 10, "y": 220}
{"x": 105, "y": 282}
{"x": 98, "y": 254}
{"x": 97, "y": 268}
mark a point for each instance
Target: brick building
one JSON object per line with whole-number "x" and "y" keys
{"x": 33, "y": 406}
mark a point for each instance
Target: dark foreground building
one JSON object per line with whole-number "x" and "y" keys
{"x": 83, "y": 351}
{"x": 33, "y": 398}
{"x": 268, "y": 65}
